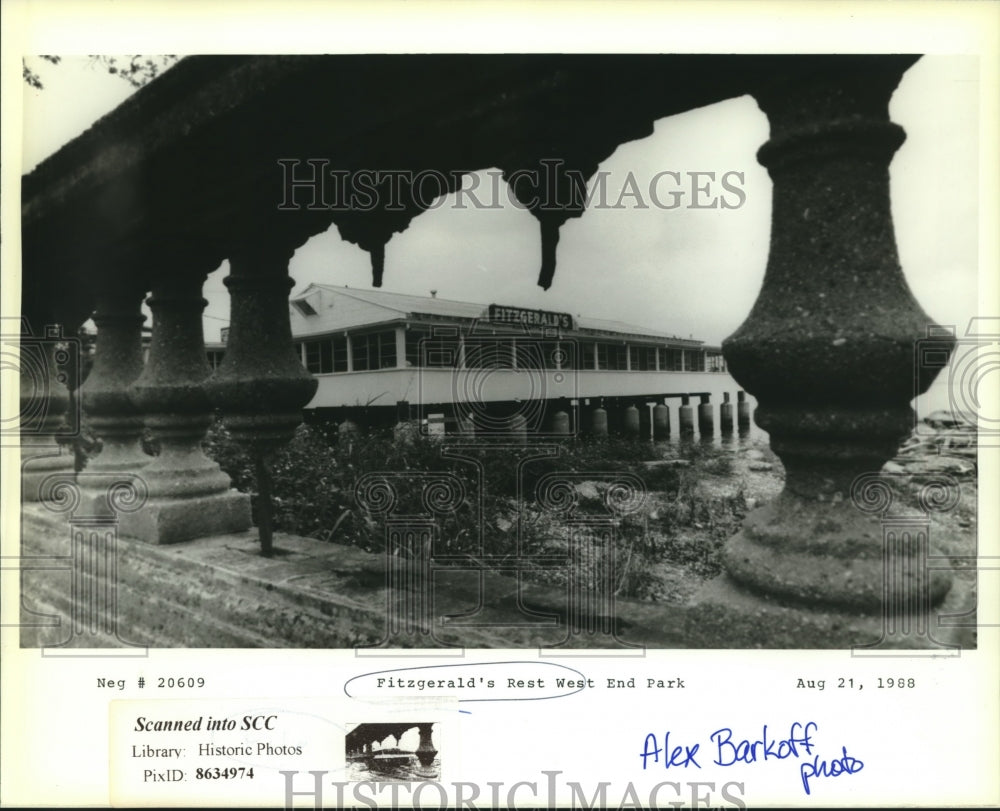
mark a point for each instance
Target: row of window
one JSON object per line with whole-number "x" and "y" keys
{"x": 377, "y": 350}
{"x": 369, "y": 352}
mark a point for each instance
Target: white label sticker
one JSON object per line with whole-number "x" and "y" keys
{"x": 262, "y": 752}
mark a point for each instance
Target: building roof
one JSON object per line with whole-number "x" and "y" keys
{"x": 414, "y": 306}
{"x": 406, "y": 304}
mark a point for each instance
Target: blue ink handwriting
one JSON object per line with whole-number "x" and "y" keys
{"x": 732, "y": 750}
{"x": 672, "y": 757}
{"x": 835, "y": 768}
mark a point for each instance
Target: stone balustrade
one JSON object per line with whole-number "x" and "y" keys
{"x": 827, "y": 349}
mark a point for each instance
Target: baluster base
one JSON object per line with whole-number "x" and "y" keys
{"x": 120, "y": 457}
{"x": 172, "y": 520}
{"x": 804, "y": 573}
{"x": 825, "y": 553}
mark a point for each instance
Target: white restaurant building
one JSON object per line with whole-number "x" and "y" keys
{"x": 382, "y": 357}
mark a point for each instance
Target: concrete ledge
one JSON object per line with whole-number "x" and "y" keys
{"x": 219, "y": 592}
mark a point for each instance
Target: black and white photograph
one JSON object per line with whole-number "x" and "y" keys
{"x": 597, "y": 356}
{"x": 452, "y": 350}
{"x": 397, "y": 751}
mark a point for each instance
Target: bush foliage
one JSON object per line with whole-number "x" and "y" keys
{"x": 497, "y": 517}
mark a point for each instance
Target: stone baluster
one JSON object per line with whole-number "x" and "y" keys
{"x": 112, "y": 415}
{"x": 827, "y": 351}
{"x": 425, "y": 749}
{"x": 260, "y": 386}
{"x": 189, "y": 496}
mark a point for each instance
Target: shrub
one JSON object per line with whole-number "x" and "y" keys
{"x": 314, "y": 477}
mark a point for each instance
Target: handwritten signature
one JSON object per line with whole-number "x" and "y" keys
{"x": 729, "y": 750}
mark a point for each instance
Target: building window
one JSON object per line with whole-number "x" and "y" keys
{"x": 613, "y": 357}
{"x": 602, "y": 356}
{"x": 386, "y": 350}
{"x": 413, "y": 347}
{"x": 324, "y": 356}
{"x": 304, "y": 307}
{"x": 671, "y": 360}
{"x": 441, "y": 352}
{"x": 214, "y": 357}
{"x": 491, "y": 353}
{"x": 561, "y": 355}
{"x": 696, "y": 360}
{"x": 587, "y": 355}
{"x": 340, "y": 354}
{"x": 359, "y": 353}
{"x": 319, "y": 356}
{"x": 376, "y": 350}
{"x": 435, "y": 351}
{"x": 716, "y": 363}
{"x": 531, "y": 354}
{"x": 642, "y": 358}
{"x": 619, "y": 357}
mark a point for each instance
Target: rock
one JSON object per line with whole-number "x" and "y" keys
{"x": 760, "y": 467}
{"x": 348, "y": 428}
{"x": 406, "y": 433}
{"x": 917, "y": 446}
{"x": 944, "y": 419}
{"x": 893, "y": 468}
{"x": 930, "y": 465}
{"x": 656, "y": 463}
{"x": 755, "y": 453}
{"x": 587, "y": 490}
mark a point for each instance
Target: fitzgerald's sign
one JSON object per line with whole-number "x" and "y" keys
{"x": 499, "y": 314}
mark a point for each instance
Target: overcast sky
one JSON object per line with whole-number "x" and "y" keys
{"x": 684, "y": 271}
